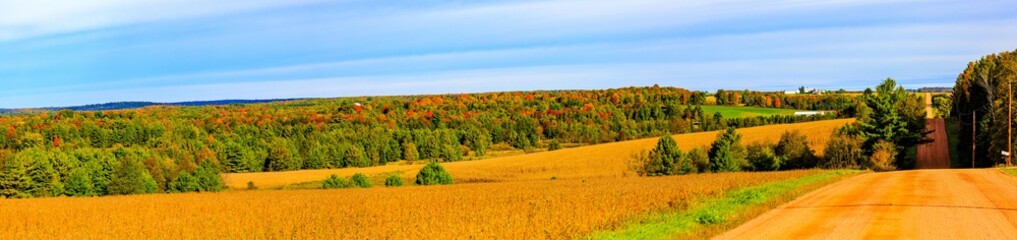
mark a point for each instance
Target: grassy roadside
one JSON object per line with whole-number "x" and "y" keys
{"x": 952, "y": 129}
{"x": 714, "y": 216}
{"x": 1011, "y": 171}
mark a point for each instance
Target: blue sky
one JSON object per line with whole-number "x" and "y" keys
{"x": 59, "y": 53}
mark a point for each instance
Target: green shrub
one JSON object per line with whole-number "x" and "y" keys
{"x": 843, "y": 151}
{"x": 794, "y": 148}
{"x": 185, "y": 183}
{"x": 334, "y": 182}
{"x": 251, "y": 186}
{"x": 709, "y": 218}
{"x": 700, "y": 159}
{"x": 360, "y": 181}
{"x": 554, "y": 145}
{"x": 393, "y": 181}
{"x": 433, "y": 174}
{"x": 762, "y": 158}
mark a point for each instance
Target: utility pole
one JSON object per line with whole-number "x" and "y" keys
{"x": 1009, "y": 126}
{"x": 973, "y": 126}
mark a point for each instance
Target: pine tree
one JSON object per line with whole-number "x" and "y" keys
{"x": 79, "y": 183}
{"x": 128, "y": 178}
{"x": 208, "y": 178}
{"x": 14, "y": 181}
{"x": 727, "y": 153}
{"x": 45, "y": 180}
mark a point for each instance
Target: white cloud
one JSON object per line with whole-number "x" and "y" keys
{"x": 23, "y": 19}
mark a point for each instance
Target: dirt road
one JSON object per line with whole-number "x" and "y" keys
{"x": 920, "y": 204}
{"x": 934, "y": 155}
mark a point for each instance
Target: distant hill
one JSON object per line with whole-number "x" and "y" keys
{"x": 135, "y": 105}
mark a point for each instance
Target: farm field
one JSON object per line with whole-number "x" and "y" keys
{"x": 742, "y": 112}
{"x": 562, "y": 209}
{"x": 598, "y": 161}
{"x": 920, "y": 204}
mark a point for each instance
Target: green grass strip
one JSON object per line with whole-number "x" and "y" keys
{"x": 1011, "y": 171}
{"x": 716, "y": 211}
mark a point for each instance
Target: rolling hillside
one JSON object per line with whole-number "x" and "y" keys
{"x": 597, "y": 161}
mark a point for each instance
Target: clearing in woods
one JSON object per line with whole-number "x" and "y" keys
{"x": 597, "y": 161}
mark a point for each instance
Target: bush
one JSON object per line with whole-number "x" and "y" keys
{"x": 393, "y": 181}
{"x": 251, "y": 186}
{"x": 883, "y": 156}
{"x": 334, "y": 182}
{"x": 762, "y": 158}
{"x": 794, "y": 148}
{"x": 185, "y": 183}
{"x": 699, "y": 159}
{"x": 555, "y": 145}
{"x": 360, "y": 181}
{"x": 727, "y": 153}
{"x": 433, "y": 174}
{"x": 843, "y": 151}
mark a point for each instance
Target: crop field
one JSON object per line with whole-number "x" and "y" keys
{"x": 598, "y": 161}
{"x": 561, "y": 209}
{"x": 742, "y": 112}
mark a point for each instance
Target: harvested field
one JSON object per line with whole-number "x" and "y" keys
{"x": 514, "y": 210}
{"x": 598, "y": 161}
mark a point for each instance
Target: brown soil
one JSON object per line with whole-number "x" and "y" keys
{"x": 934, "y": 155}
{"x": 920, "y": 204}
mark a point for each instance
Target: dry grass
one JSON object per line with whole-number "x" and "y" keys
{"x": 512, "y": 210}
{"x": 598, "y": 161}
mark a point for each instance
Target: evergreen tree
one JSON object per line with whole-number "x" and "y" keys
{"x": 45, "y": 181}
{"x": 14, "y": 181}
{"x": 79, "y": 184}
{"x": 667, "y": 159}
{"x": 208, "y": 178}
{"x": 129, "y": 178}
{"x": 727, "y": 153}
{"x": 897, "y": 117}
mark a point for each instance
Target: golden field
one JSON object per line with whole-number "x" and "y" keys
{"x": 597, "y": 161}
{"x": 562, "y": 209}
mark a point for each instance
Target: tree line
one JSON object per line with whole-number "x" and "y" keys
{"x": 890, "y": 121}
{"x": 180, "y": 147}
{"x": 981, "y": 105}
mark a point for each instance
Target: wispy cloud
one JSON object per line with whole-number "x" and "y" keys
{"x": 23, "y": 19}
{"x": 137, "y": 50}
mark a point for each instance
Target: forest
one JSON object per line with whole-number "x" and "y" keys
{"x": 184, "y": 148}
{"x": 981, "y": 99}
